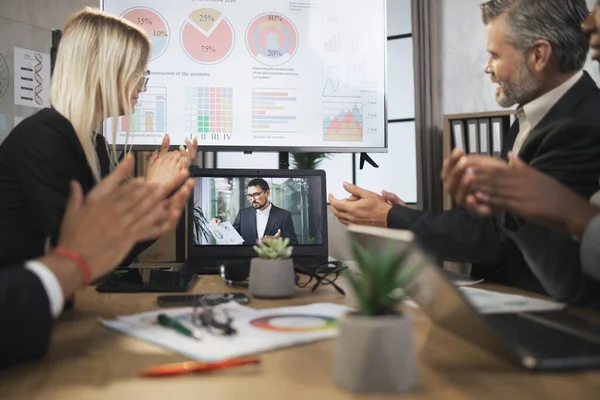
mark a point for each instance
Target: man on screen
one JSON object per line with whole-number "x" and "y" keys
{"x": 263, "y": 219}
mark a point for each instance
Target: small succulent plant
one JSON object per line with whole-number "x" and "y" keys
{"x": 274, "y": 248}
{"x": 383, "y": 276}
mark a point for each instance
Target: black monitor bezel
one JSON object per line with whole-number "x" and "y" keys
{"x": 226, "y": 251}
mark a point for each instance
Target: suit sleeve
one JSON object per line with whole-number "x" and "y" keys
{"x": 44, "y": 168}
{"x": 570, "y": 154}
{"x": 453, "y": 235}
{"x": 288, "y": 230}
{"x": 25, "y": 315}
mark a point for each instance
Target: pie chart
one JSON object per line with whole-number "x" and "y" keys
{"x": 153, "y": 24}
{"x": 207, "y": 36}
{"x": 272, "y": 39}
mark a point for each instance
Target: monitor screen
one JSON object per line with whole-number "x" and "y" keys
{"x": 260, "y": 75}
{"x": 231, "y": 210}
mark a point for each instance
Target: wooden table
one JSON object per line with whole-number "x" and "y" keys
{"x": 88, "y": 361}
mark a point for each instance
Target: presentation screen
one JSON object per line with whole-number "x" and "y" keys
{"x": 242, "y": 210}
{"x": 260, "y": 75}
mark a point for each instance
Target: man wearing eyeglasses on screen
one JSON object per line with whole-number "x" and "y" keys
{"x": 262, "y": 219}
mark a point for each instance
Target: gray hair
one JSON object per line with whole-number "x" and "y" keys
{"x": 556, "y": 21}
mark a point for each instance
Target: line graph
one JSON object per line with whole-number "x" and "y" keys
{"x": 343, "y": 81}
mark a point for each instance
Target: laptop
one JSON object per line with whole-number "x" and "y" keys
{"x": 543, "y": 340}
{"x": 226, "y": 216}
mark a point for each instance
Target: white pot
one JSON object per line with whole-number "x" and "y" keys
{"x": 272, "y": 278}
{"x": 375, "y": 354}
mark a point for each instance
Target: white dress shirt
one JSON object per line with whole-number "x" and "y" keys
{"x": 55, "y": 294}
{"x": 262, "y": 217}
{"x": 532, "y": 113}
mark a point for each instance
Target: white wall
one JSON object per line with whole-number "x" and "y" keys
{"x": 466, "y": 88}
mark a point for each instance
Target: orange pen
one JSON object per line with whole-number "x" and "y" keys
{"x": 194, "y": 366}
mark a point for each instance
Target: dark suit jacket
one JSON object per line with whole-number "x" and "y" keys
{"x": 25, "y": 315}
{"x": 245, "y": 224}
{"x": 568, "y": 153}
{"x": 38, "y": 159}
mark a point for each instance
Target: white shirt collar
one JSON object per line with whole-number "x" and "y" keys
{"x": 533, "y": 112}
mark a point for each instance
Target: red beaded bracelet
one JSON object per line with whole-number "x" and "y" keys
{"x": 83, "y": 266}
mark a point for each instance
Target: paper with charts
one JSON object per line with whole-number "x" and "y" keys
{"x": 489, "y": 302}
{"x": 257, "y": 330}
{"x": 224, "y": 233}
{"x": 260, "y": 73}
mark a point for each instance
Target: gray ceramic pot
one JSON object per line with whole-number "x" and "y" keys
{"x": 375, "y": 354}
{"x": 272, "y": 278}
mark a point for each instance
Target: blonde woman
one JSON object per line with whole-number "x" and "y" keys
{"x": 99, "y": 72}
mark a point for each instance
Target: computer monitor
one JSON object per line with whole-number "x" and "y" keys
{"x": 226, "y": 213}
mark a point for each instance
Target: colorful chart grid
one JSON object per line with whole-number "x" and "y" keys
{"x": 209, "y": 110}
{"x": 150, "y": 112}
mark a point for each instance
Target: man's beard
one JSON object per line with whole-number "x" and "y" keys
{"x": 520, "y": 90}
{"x": 258, "y": 206}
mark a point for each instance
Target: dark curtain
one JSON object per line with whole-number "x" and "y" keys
{"x": 427, "y": 39}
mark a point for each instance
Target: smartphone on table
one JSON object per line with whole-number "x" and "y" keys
{"x": 211, "y": 299}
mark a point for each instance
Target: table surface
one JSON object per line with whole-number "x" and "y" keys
{"x": 89, "y": 361}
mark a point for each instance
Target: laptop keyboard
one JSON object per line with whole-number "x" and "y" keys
{"x": 539, "y": 336}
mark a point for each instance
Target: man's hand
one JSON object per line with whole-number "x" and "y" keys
{"x": 458, "y": 178}
{"x": 362, "y": 208}
{"x": 215, "y": 221}
{"x": 527, "y": 192}
{"x": 278, "y": 234}
{"x": 103, "y": 228}
{"x": 392, "y": 199}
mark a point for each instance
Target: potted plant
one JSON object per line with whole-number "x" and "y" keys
{"x": 374, "y": 352}
{"x": 308, "y": 160}
{"x": 200, "y": 222}
{"x": 272, "y": 272}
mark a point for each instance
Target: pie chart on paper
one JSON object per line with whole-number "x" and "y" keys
{"x": 153, "y": 24}
{"x": 272, "y": 39}
{"x": 207, "y": 36}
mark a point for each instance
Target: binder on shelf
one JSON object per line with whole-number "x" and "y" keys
{"x": 458, "y": 133}
{"x": 484, "y": 136}
{"x": 473, "y": 134}
{"x": 497, "y": 130}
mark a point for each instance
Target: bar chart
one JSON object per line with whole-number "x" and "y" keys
{"x": 274, "y": 111}
{"x": 209, "y": 109}
{"x": 332, "y": 43}
{"x": 150, "y": 112}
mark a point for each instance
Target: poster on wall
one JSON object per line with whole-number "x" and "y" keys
{"x": 31, "y": 78}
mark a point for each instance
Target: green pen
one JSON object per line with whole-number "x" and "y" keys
{"x": 168, "y": 322}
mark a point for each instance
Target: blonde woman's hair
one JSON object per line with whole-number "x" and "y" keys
{"x": 99, "y": 66}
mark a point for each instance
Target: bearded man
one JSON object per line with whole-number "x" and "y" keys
{"x": 537, "y": 51}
